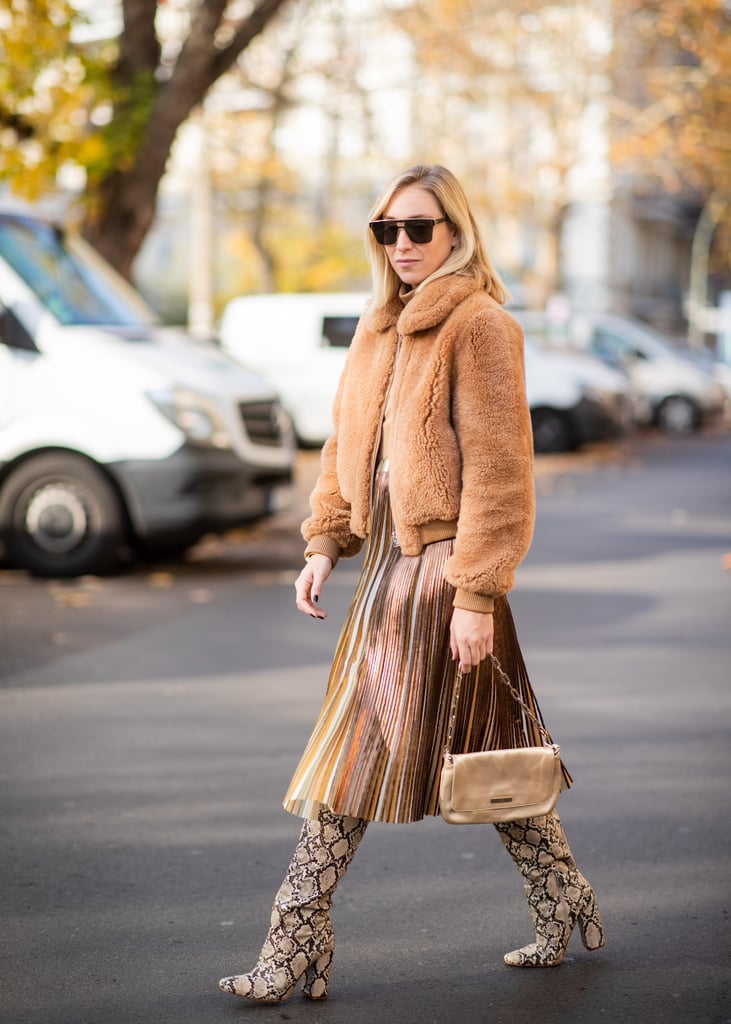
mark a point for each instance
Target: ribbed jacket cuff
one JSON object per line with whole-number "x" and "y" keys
{"x": 323, "y": 545}
{"x": 473, "y": 602}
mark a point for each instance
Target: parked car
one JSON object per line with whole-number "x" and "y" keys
{"x": 300, "y": 342}
{"x": 677, "y": 390}
{"x": 574, "y": 399}
{"x": 114, "y": 430}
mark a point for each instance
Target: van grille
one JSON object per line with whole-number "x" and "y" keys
{"x": 262, "y": 422}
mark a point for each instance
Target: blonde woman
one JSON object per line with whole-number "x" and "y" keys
{"x": 430, "y": 465}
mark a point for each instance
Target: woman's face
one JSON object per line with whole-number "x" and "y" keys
{"x": 414, "y": 263}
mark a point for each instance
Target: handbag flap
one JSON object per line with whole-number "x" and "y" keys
{"x": 503, "y": 778}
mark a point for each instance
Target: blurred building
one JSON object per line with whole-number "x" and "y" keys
{"x": 651, "y": 237}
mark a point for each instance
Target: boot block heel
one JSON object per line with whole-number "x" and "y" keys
{"x": 590, "y": 924}
{"x": 317, "y": 976}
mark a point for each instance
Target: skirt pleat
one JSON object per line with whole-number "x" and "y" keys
{"x": 376, "y": 749}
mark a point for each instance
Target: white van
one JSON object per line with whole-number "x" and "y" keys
{"x": 114, "y": 430}
{"x": 299, "y": 342}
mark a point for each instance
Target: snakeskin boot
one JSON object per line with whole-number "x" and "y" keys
{"x": 558, "y": 894}
{"x": 301, "y": 940}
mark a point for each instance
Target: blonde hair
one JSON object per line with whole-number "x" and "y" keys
{"x": 468, "y": 257}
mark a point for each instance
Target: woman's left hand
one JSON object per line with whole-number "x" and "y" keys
{"x": 309, "y": 583}
{"x": 470, "y": 637}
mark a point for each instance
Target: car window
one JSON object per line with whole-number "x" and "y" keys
{"x": 338, "y": 331}
{"x": 606, "y": 343}
{"x": 611, "y": 345}
{"x": 69, "y": 286}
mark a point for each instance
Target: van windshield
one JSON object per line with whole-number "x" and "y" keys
{"x": 72, "y": 282}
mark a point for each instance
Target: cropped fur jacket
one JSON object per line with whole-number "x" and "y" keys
{"x": 460, "y": 443}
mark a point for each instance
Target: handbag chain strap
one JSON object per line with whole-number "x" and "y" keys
{"x": 516, "y": 696}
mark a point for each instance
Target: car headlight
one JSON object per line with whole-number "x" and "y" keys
{"x": 198, "y": 416}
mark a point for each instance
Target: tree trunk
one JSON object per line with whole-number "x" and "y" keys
{"x": 123, "y": 206}
{"x": 125, "y": 202}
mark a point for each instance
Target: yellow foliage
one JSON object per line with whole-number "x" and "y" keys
{"x": 48, "y": 92}
{"x": 309, "y": 260}
{"x": 306, "y": 259}
{"x": 674, "y": 70}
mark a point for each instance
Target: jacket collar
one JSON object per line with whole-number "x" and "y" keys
{"x": 428, "y": 307}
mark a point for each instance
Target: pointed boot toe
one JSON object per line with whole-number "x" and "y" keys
{"x": 262, "y": 989}
{"x": 534, "y": 955}
{"x": 228, "y": 985}
{"x": 237, "y": 985}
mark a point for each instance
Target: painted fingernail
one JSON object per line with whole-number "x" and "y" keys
{"x": 316, "y": 598}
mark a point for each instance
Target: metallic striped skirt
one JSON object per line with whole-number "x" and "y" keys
{"x": 377, "y": 746}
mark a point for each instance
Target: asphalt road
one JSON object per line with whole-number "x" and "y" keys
{"x": 149, "y": 724}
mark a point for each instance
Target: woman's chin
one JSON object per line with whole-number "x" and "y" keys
{"x": 408, "y": 276}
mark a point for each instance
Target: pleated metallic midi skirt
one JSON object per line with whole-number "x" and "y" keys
{"x": 377, "y": 747}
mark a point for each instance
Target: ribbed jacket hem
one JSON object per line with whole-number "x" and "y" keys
{"x": 473, "y": 602}
{"x": 323, "y": 545}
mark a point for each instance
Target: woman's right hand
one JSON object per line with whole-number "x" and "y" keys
{"x": 308, "y": 585}
{"x": 471, "y": 637}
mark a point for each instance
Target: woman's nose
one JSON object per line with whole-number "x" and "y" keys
{"x": 402, "y": 239}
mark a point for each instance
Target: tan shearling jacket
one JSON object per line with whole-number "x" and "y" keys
{"x": 460, "y": 443}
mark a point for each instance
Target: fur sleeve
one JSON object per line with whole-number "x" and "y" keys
{"x": 492, "y": 422}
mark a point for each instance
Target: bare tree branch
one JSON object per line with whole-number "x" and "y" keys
{"x": 262, "y": 14}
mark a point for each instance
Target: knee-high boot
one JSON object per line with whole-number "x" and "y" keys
{"x": 301, "y": 940}
{"x": 558, "y": 894}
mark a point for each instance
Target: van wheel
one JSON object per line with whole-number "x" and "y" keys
{"x": 60, "y": 516}
{"x": 677, "y": 415}
{"x": 551, "y": 431}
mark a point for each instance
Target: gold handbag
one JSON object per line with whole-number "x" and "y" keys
{"x": 498, "y": 785}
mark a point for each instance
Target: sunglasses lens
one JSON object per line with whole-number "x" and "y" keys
{"x": 419, "y": 230}
{"x": 384, "y": 232}
{"x": 389, "y": 233}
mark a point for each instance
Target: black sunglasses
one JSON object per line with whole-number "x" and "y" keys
{"x": 419, "y": 229}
